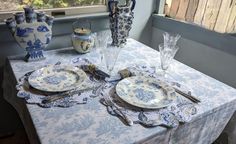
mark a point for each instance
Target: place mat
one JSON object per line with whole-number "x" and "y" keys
{"x": 33, "y": 96}
{"x": 180, "y": 111}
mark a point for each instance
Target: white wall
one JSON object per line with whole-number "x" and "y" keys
{"x": 142, "y": 24}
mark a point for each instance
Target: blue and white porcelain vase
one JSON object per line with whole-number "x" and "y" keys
{"x": 32, "y": 31}
{"x": 121, "y": 19}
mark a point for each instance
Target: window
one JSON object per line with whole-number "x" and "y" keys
{"x": 53, "y": 7}
{"x": 217, "y": 15}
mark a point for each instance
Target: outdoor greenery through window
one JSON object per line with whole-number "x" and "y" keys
{"x": 56, "y": 8}
{"x": 16, "y": 5}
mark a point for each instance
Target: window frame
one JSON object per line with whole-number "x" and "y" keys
{"x": 69, "y": 11}
{"x": 160, "y": 6}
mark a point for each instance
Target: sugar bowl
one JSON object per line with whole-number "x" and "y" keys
{"x": 82, "y": 40}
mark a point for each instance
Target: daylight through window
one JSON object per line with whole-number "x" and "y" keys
{"x": 16, "y": 5}
{"x": 55, "y": 8}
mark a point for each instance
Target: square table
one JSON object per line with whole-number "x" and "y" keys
{"x": 91, "y": 123}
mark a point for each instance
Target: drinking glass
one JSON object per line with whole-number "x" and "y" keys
{"x": 102, "y": 38}
{"x": 170, "y": 39}
{"x": 111, "y": 54}
{"x": 167, "y": 54}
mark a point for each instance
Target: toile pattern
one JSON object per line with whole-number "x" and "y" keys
{"x": 91, "y": 123}
{"x": 181, "y": 111}
{"x": 33, "y": 96}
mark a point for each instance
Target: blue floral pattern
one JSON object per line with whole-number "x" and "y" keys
{"x": 42, "y": 28}
{"x": 54, "y": 79}
{"x": 143, "y": 95}
{"x": 24, "y": 32}
{"x": 121, "y": 19}
{"x": 218, "y": 104}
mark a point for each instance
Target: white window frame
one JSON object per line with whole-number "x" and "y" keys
{"x": 160, "y": 7}
{"x": 70, "y": 11}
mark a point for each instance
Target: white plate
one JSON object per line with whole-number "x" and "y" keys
{"x": 145, "y": 92}
{"x": 57, "y": 78}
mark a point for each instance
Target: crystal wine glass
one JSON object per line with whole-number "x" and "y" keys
{"x": 167, "y": 54}
{"x": 170, "y": 39}
{"x": 102, "y": 39}
{"x": 168, "y": 50}
{"x": 111, "y": 54}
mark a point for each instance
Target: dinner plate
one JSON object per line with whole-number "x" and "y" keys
{"x": 57, "y": 78}
{"x": 145, "y": 92}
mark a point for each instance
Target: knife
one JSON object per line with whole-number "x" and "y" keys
{"x": 190, "y": 97}
{"x": 55, "y": 97}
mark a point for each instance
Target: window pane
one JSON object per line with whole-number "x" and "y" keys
{"x": 13, "y": 5}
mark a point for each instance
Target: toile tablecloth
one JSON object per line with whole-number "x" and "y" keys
{"x": 91, "y": 123}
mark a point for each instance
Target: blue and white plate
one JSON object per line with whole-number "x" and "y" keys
{"x": 145, "y": 92}
{"x": 57, "y": 78}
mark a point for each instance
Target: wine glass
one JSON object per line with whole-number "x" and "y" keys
{"x": 167, "y": 54}
{"x": 111, "y": 55}
{"x": 168, "y": 50}
{"x": 102, "y": 38}
{"x": 170, "y": 39}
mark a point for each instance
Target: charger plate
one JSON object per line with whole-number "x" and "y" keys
{"x": 57, "y": 78}
{"x": 145, "y": 92}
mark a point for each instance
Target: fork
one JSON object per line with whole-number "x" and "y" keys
{"x": 118, "y": 111}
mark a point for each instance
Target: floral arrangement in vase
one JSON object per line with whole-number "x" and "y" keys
{"x": 32, "y": 31}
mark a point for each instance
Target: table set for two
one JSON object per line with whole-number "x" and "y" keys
{"x": 139, "y": 107}
{"x": 117, "y": 91}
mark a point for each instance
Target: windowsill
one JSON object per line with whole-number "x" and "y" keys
{"x": 60, "y": 19}
{"x": 63, "y": 12}
{"x": 62, "y": 25}
{"x": 222, "y": 42}
{"x": 74, "y": 17}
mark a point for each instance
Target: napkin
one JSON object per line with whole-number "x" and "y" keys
{"x": 89, "y": 67}
{"x": 95, "y": 71}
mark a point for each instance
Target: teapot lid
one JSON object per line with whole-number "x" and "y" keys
{"x": 82, "y": 31}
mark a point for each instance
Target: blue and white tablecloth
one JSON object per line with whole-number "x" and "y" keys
{"x": 180, "y": 111}
{"x": 91, "y": 123}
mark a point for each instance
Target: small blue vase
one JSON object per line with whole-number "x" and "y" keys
{"x": 19, "y": 17}
{"x": 30, "y": 15}
{"x": 11, "y": 24}
{"x": 49, "y": 20}
{"x": 41, "y": 17}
